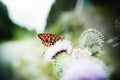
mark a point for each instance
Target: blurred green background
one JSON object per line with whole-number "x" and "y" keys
{"x": 21, "y": 50}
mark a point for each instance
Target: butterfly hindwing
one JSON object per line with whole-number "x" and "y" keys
{"x": 49, "y": 39}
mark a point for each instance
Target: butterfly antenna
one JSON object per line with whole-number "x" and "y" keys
{"x": 62, "y": 37}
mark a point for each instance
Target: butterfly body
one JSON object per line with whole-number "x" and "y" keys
{"x": 49, "y": 39}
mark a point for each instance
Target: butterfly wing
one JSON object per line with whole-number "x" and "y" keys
{"x": 49, "y": 39}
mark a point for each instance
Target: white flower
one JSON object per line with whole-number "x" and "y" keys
{"x": 57, "y": 47}
{"x": 85, "y": 69}
{"x": 60, "y": 62}
{"x": 80, "y": 53}
{"x": 93, "y": 40}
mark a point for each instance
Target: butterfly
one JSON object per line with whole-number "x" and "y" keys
{"x": 49, "y": 39}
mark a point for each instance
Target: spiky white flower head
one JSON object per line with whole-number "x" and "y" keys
{"x": 85, "y": 69}
{"x": 60, "y": 61}
{"x": 93, "y": 40}
{"x": 61, "y": 45}
{"x": 81, "y": 53}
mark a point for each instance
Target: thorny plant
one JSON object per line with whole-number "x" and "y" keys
{"x": 77, "y": 63}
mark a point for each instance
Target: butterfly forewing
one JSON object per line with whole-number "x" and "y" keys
{"x": 49, "y": 39}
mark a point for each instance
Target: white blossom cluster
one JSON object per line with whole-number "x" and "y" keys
{"x": 79, "y": 64}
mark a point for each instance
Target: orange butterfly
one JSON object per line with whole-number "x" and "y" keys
{"x": 49, "y": 39}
